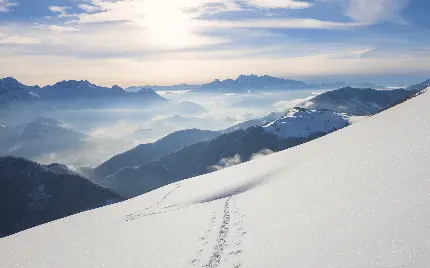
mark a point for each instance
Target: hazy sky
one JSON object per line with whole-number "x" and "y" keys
{"x": 142, "y": 42}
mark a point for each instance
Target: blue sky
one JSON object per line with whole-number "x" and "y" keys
{"x": 130, "y": 42}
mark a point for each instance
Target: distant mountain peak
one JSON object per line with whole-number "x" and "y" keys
{"x": 118, "y": 88}
{"x": 73, "y": 83}
{"x": 147, "y": 90}
{"x": 9, "y": 80}
{"x": 250, "y": 82}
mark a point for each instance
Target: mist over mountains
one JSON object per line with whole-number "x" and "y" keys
{"x": 11, "y": 90}
{"x": 244, "y": 83}
{"x": 175, "y": 157}
{"x": 142, "y": 170}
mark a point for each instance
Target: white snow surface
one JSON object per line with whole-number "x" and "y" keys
{"x": 358, "y": 197}
{"x": 300, "y": 122}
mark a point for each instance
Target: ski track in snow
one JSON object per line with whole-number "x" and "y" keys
{"x": 228, "y": 239}
{"x": 141, "y": 213}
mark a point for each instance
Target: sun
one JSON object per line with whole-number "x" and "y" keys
{"x": 167, "y": 25}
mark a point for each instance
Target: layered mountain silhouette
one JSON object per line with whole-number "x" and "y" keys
{"x": 147, "y": 167}
{"x": 254, "y": 82}
{"x": 147, "y": 152}
{"x": 141, "y": 173}
{"x": 12, "y": 90}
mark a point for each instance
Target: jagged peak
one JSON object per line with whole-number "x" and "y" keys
{"x": 116, "y": 87}
{"x": 73, "y": 83}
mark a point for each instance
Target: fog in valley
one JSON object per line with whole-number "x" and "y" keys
{"x": 92, "y": 133}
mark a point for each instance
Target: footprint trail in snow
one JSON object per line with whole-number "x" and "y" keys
{"x": 221, "y": 244}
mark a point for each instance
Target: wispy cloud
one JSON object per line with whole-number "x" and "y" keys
{"x": 89, "y": 8}
{"x": 61, "y": 10}
{"x": 360, "y": 53}
{"x": 19, "y": 40}
{"x": 174, "y": 41}
{"x": 5, "y": 5}
{"x": 55, "y": 28}
{"x": 271, "y": 4}
{"x": 371, "y": 11}
{"x": 297, "y": 23}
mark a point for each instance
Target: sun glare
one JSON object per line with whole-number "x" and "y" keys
{"x": 167, "y": 26}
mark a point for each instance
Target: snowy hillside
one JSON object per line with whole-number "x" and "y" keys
{"x": 356, "y": 198}
{"x": 300, "y": 122}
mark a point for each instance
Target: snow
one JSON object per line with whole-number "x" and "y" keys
{"x": 300, "y": 122}
{"x": 358, "y": 197}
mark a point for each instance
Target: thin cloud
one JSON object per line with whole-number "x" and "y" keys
{"x": 18, "y": 40}
{"x": 61, "y": 10}
{"x": 5, "y": 5}
{"x": 271, "y": 4}
{"x": 371, "y": 11}
{"x": 55, "y": 28}
{"x": 362, "y": 52}
{"x": 285, "y": 24}
{"x": 89, "y": 8}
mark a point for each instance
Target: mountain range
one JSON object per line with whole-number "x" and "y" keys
{"x": 254, "y": 82}
{"x": 358, "y": 197}
{"x": 151, "y": 166}
{"x": 244, "y": 83}
{"x": 142, "y": 169}
{"x": 178, "y": 156}
{"x": 13, "y": 91}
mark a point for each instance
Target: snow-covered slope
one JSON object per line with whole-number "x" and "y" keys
{"x": 300, "y": 122}
{"x": 356, "y": 198}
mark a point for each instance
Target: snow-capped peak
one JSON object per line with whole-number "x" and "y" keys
{"x": 301, "y": 122}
